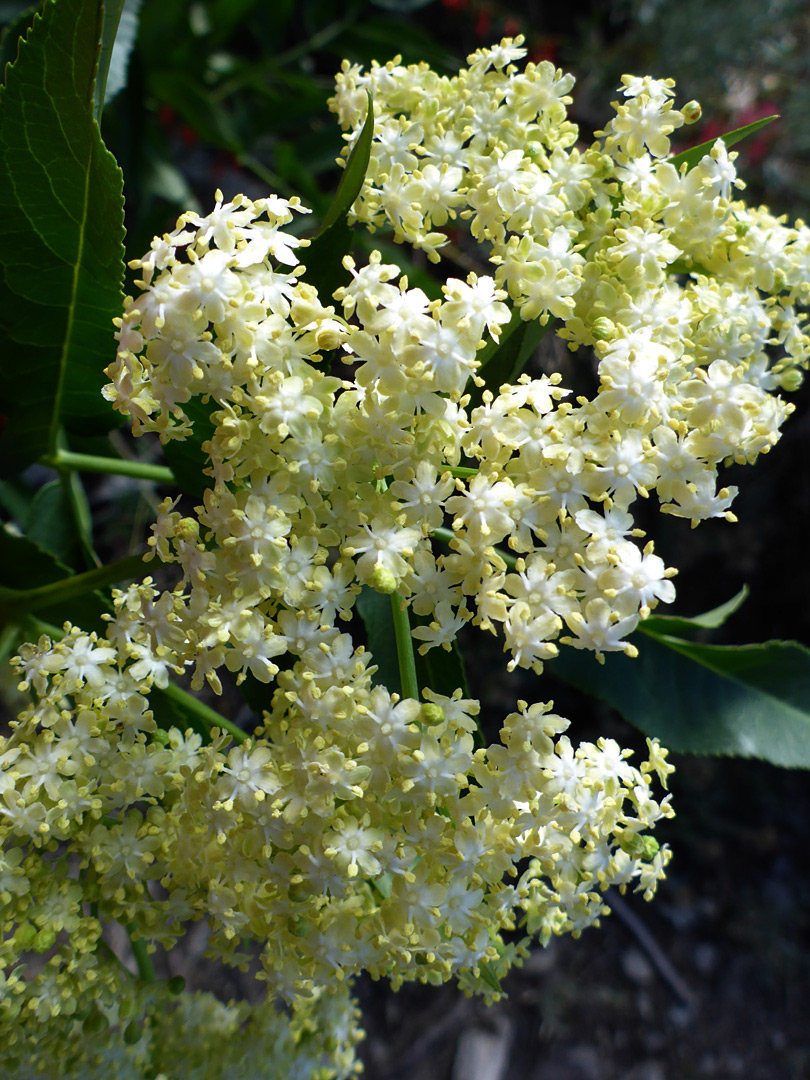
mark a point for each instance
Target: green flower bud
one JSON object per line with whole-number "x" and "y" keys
{"x": 649, "y": 848}
{"x": 431, "y": 714}
{"x": 132, "y": 1033}
{"x": 24, "y": 937}
{"x": 791, "y": 380}
{"x": 176, "y": 985}
{"x": 603, "y": 329}
{"x": 383, "y": 581}
{"x": 691, "y": 112}
{"x": 95, "y": 1023}
{"x": 44, "y": 940}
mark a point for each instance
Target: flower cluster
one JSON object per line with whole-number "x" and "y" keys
{"x": 691, "y": 299}
{"x": 357, "y": 829}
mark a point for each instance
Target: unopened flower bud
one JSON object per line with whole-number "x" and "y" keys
{"x": 603, "y": 329}
{"x": 431, "y": 714}
{"x": 383, "y": 581}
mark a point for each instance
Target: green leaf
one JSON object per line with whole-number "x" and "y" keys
{"x": 374, "y": 609}
{"x": 22, "y": 560}
{"x": 111, "y": 17}
{"x": 504, "y": 360}
{"x": 695, "y": 154}
{"x": 123, "y": 43}
{"x": 727, "y": 700}
{"x": 15, "y": 28}
{"x": 323, "y": 259}
{"x": 442, "y": 671}
{"x": 677, "y": 626}
{"x": 61, "y": 237}
{"x": 489, "y": 977}
{"x": 186, "y": 458}
{"x": 351, "y": 180}
{"x": 51, "y": 524}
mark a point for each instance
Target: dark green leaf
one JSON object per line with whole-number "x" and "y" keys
{"x": 109, "y": 28}
{"x": 187, "y": 459}
{"x": 676, "y": 626}
{"x": 442, "y": 671}
{"x": 374, "y": 609}
{"x": 504, "y": 360}
{"x": 22, "y": 560}
{"x": 695, "y": 154}
{"x": 51, "y": 524}
{"x": 124, "y": 43}
{"x": 15, "y": 29}
{"x": 61, "y": 237}
{"x": 737, "y": 700}
{"x": 351, "y": 181}
{"x": 324, "y": 259}
{"x": 15, "y": 499}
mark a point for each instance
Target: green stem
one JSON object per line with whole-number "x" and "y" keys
{"x": 146, "y": 969}
{"x": 209, "y": 717}
{"x": 138, "y": 470}
{"x": 16, "y": 603}
{"x": 405, "y": 656}
{"x": 462, "y": 472}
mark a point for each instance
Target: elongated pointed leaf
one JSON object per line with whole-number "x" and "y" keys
{"x": 111, "y": 18}
{"x": 744, "y": 700}
{"x": 61, "y": 237}
{"x": 52, "y": 527}
{"x": 677, "y": 626}
{"x": 695, "y": 154}
{"x": 324, "y": 256}
{"x": 375, "y": 611}
{"x": 123, "y": 43}
{"x": 351, "y": 181}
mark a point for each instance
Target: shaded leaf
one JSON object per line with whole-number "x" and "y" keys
{"x": 186, "y": 458}
{"x": 61, "y": 237}
{"x": 351, "y": 180}
{"x": 51, "y": 524}
{"x": 442, "y": 671}
{"x": 15, "y": 28}
{"x": 374, "y": 609}
{"x": 695, "y": 154}
{"x": 677, "y": 626}
{"x": 728, "y": 700}
{"x": 23, "y": 560}
{"x": 111, "y": 17}
{"x": 503, "y": 361}
{"x": 124, "y": 43}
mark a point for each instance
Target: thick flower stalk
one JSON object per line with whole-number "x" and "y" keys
{"x": 355, "y": 829}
